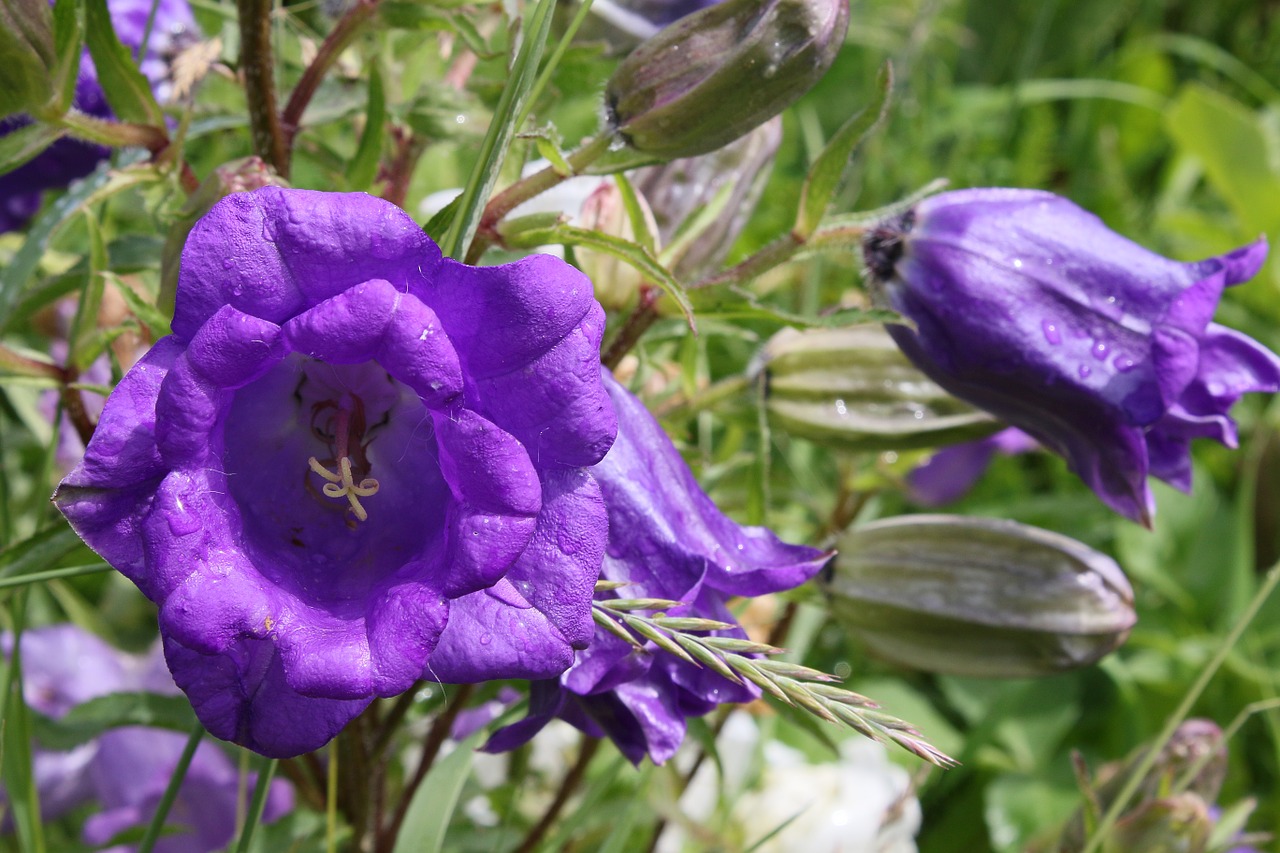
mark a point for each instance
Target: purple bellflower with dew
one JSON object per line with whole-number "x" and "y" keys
{"x": 68, "y": 159}
{"x": 1025, "y": 305}
{"x": 667, "y": 540}
{"x": 348, "y": 443}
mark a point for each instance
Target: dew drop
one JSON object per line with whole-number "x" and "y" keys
{"x": 1085, "y": 370}
{"x": 486, "y": 639}
{"x": 1017, "y": 263}
{"x": 841, "y": 410}
{"x": 1124, "y": 365}
{"x": 1099, "y": 350}
{"x": 1051, "y": 333}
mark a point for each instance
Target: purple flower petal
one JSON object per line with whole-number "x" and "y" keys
{"x": 667, "y": 539}
{"x": 1029, "y": 307}
{"x": 330, "y": 459}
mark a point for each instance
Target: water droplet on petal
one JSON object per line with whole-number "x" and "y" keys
{"x": 1051, "y": 333}
{"x": 1099, "y": 350}
{"x": 486, "y": 639}
{"x": 1085, "y": 370}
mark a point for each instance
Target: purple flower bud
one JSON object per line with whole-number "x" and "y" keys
{"x": 1029, "y": 307}
{"x": 348, "y": 442}
{"x": 667, "y": 540}
{"x": 69, "y": 159}
{"x": 712, "y": 76}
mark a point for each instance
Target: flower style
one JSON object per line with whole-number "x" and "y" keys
{"x": 348, "y": 442}
{"x": 68, "y": 159}
{"x": 1029, "y": 307}
{"x": 126, "y": 770}
{"x": 666, "y": 540}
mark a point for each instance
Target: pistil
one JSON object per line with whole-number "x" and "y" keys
{"x": 342, "y": 484}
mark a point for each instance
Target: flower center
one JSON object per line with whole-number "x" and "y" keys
{"x": 341, "y": 424}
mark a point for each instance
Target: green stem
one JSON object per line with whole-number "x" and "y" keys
{"x": 347, "y": 28}
{"x": 266, "y": 769}
{"x": 116, "y": 134}
{"x": 53, "y": 574}
{"x": 171, "y": 791}
{"x": 258, "y": 68}
{"x": 526, "y": 188}
{"x": 687, "y": 407}
{"x": 1176, "y": 719}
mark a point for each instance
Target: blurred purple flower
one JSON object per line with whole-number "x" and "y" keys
{"x": 68, "y": 159}
{"x": 348, "y": 442}
{"x": 1031, "y": 308}
{"x": 666, "y": 540}
{"x": 126, "y": 770}
{"x": 948, "y": 474}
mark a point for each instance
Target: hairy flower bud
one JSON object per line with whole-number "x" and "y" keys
{"x": 716, "y": 74}
{"x": 974, "y": 596}
{"x": 853, "y": 388}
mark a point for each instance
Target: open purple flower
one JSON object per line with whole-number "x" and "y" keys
{"x": 1029, "y": 307}
{"x": 68, "y": 159}
{"x": 348, "y": 442}
{"x": 667, "y": 539}
{"x": 125, "y": 771}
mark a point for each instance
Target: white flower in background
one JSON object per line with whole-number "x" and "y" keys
{"x": 860, "y": 803}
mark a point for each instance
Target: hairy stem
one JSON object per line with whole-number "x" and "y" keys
{"x": 258, "y": 68}
{"x": 347, "y": 28}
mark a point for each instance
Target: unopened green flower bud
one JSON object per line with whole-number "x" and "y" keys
{"x": 853, "y": 388}
{"x": 977, "y": 596}
{"x": 710, "y": 77}
{"x": 237, "y": 176}
{"x": 27, "y": 56}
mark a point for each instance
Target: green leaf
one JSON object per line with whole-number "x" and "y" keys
{"x": 364, "y": 166}
{"x": 26, "y": 55}
{"x": 430, "y": 810}
{"x": 496, "y": 141}
{"x": 824, "y": 176}
{"x": 39, "y": 551}
{"x": 127, "y": 91}
{"x": 1235, "y": 148}
{"x": 15, "y": 737}
{"x": 68, "y": 41}
{"x": 83, "y": 328}
{"x": 19, "y": 146}
{"x": 640, "y": 222}
{"x": 91, "y": 719}
{"x": 102, "y": 184}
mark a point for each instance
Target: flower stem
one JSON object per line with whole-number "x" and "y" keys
{"x": 644, "y": 316}
{"x": 171, "y": 791}
{"x": 347, "y": 28}
{"x": 258, "y": 68}
{"x": 568, "y": 786}
{"x": 526, "y": 188}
